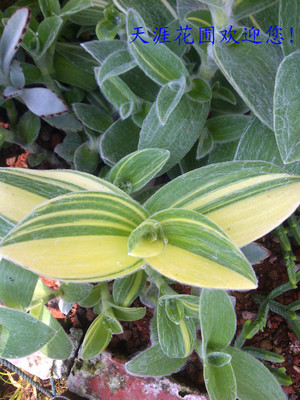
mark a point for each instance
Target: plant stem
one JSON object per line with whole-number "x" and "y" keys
{"x": 164, "y": 288}
{"x": 295, "y": 227}
{"x": 288, "y": 255}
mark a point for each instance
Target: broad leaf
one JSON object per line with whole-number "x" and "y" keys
{"x": 156, "y": 60}
{"x": 96, "y": 339}
{"x": 86, "y": 158}
{"x": 254, "y": 381}
{"x": 11, "y": 39}
{"x": 154, "y": 362}
{"x": 197, "y": 252}
{"x": 286, "y": 108}
{"x": 261, "y": 71}
{"x": 179, "y": 133}
{"x": 247, "y": 7}
{"x": 43, "y": 102}
{"x": 245, "y": 198}
{"x": 74, "y": 6}
{"x": 81, "y": 237}
{"x": 60, "y": 347}
{"x": 75, "y": 292}
{"x": 127, "y": 289}
{"x": 205, "y": 144}
{"x": 16, "y": 285}
{"x": 289, "y": 13}
{"x": 220, "y": 382}
{"x": 29, "y": 127}
{"x": 93, "y": 117}
{"x": 116, "y": 64}
{"x": 49, "y": 7}
{"x": 17, "y": 330}
{"x": 126, "y": 313}
{"x": 101, "y": 50}
{"x": 32, "y": 187}
{"x": 48, "y": 31}
{"x": 226, "y": 128}
{"x": 217, "y": 320}
{"x": 138, "y": 168}
{"x": 168, "y": 98}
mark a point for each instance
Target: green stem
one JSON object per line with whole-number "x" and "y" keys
{"x": 164, "y": 288}
{"x": 45, "y": 299}
{"x": 288, "y": 255}
{"x": 295, "y": 227}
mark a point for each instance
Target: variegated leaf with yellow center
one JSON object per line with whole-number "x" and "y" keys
{"x": 247, "y": 199}
{"x": 78, "y": 236}
{"x": 190, "y": 248}
{"x": 23, "y": 189}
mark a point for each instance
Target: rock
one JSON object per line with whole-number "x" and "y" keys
{"x": 104, "y": 378}
{"x": 36, "y": 364}
{"x": 266, "y": 344}
{"x": 249, "y": 315}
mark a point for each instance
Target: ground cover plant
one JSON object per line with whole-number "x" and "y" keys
{"x": 181, "y": 148}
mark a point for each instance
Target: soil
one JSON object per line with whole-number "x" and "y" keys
{"x": 276, "y": 337}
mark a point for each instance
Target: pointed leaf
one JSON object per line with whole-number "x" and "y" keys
{"x": 200, "y": 90}
{"x": 253, "y": 379}
{"x": 116, "y": 64}
{"x": 48, "y": 31}
{"x": 13, "y": 278}
{"x": 12, "y": 36}
{"x": 29, "y": 127}
{"x": 32, "y": 187}
{"x": 101, "y": 50}
{"x": 217, "y": 320}
{"x": 247, "y": 7}
{"x": 289, "y": 12}
{"x": 126, "y": 313}
{"x": 49, "y": 7}
{"x": 127, "y": 289}
{"x": 60, "y": 347}
{"x": 86, "y": 158}
{"x": 43, "y": 102}
{"x": 75, "y": 292}
{"x": 261, "y": 72}
{"x": 205, "y": 144}
{"x": 156, "y": 60}
{"x": 220, "y": 382}
{"x": 138, "y": 168}
{"x": 74, "y": 6}
{"x": 245, "y": 198}
{"x": 168, "y": 98}
{"x": 179, "y": 133}
{"x": 17, "y": 330}
{"x": 93, "y": 117}
{"x": 199, "y": 253}
{"x": 226, "y": 128}
{"x": 218, "y": 359}
{"x": 10, "y": 92}
{"x": 96, "y": 339}
{"x": 255, "y": 253}
{"x": 81, "y": 236}
{"x": 154, "y": 362}
{"x": 286, "y": 108}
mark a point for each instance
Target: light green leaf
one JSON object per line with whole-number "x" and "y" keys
{"x": 174, "y": 310}
{"x": 289, "y": 13}
{"x": 49, "y": 7}
{"x": 96, "y": 339}
{"x": 286, "y": 108}
{"x": 126, "y": 313}
{"x": 168, "y": 98}
{"x": 220, "y": 382}
{"x": 200, "y": 90}
{"x": 179, "y": 133}
{"x": 77, "y": 56}
{"x": 138, "y": 168}
{"x": 154, "y": 362}
{"x": 205, "y": 143}
{"x": 127, "y": 289}
{"x": 217, "y": 320}
{"x": 260, "y": 72}
{"x": 245, "y": 198}
{"x": 17, "y": 330}
{"x": 120, "y": 139}
{"x": 74, "y": 6}
{"x": 93, "y": 117}
{"x": 101, "y": 50}
{"x": 75, "y": 292}
{"x": 48, "y": 31}
{"x": 60, "y": 347}
{"x": 88, "y": 17}
{"x": 156, "y": 60}
{"x": 243, "y": 8}
{"x": 253, "y": 379}
{"x": 93, "y": 298}
{"x": 218, "y": 359}
{"x": 222, "y": 152}
{"x": 226, "y": 128}
{"x": 116, "y": 64}
{"x": 13, "y": 278}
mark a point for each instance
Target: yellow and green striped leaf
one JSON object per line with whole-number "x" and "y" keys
{"x": 77, "y": 237}
{"x": 132, "y": 172}
{"x": 247, "y": 199}
{"x": 200, "y": 253}
{"x": 96, "y": 338}
{"x": 127, "y": 289}
{"x": 23, "y": 189}
{"x": 181, "y": 342}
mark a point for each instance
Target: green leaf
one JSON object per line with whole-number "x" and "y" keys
{"x": 263, "y": 354}
{"x": 120, "y": 139}
{"x": 96, "y": 339}
{"x": 217, "y": 320}
{"x": 127, "y": 289}
{"x": 147, "y": 239}
{"x": 116, "y": 64}
{"x": 77, "y": 56}
{"x": 93, "y": 117}
{"x": 154, "y": 362}
{"x": 93, "y": 298}
{"x": 156, "y": 60}
{"x": 255, "y": 81}
{"x": 60, "y": 347}
{"x": 77, "y": 229}
{"x": 21, "y": 334}
{"x": 168, "y": 98}
{"x": 174, "y": 310}
{"x": 253, "y": 379}
{"x": 127, "y": 314}
{"x": 13, "y": 278}
{"x": 220, "y": 382}
{"x": 229, "y": 194}
{"x": 289, "y": 13}
{"x": 74, "y": 6}
{"x": 247, "y": 7}
{"x": 200, "y": 90}
{"x": 88, "y": 17}
{"x": 286, "y": 107}
{"x": 67, "y": 122}
{"x": 218, "y": 359}
{"x": 222, "y": 152}
{"x": 111, "y": 323}
{"x": 138, "y": 168}
{"x": 67, "y": 148}
{"x": 178, "y": 134}
{"x": 226, "y": 128}
{"x": 255, "y": 253}
{"x": 75, "y": 292}
{"x": 108, "y": 28}
{"x": 205, "y": 143}
{"x": 86, "y": 158}
{"x": 29, "y": 127}
{"x": 101, "y": 50}
{"x": 49, "y": 7}
{"x": 47, "y": 32}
